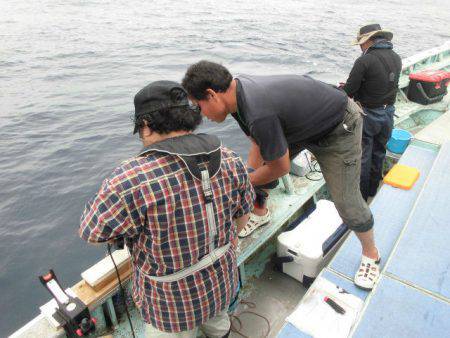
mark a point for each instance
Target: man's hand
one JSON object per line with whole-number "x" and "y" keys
{"x": 271, "y": 170}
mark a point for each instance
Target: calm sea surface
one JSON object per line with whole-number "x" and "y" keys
{"x": 68, "y": 74}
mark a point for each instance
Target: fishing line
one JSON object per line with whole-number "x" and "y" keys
{"x": 122, "y": 290}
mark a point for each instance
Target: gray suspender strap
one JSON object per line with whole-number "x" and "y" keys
{"x": 214, "y": 253}
{"x": 193, "y": 163}
{"x": 194, "y": 150}
{"x": 208, "y": 195}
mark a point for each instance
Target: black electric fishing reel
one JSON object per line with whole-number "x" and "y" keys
{"x": 71, "y": 312}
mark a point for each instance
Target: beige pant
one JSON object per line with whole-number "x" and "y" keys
{"x": 339, "y": 157}
{"x": 216, "y": 327}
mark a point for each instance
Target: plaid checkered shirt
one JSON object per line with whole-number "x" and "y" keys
{"x": 158, "y": 207}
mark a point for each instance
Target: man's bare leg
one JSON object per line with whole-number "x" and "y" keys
{"x": 368, "y": 244}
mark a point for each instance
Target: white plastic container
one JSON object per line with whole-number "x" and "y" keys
{"x": 301, "y": 164}
{"x": 310, "y": 246}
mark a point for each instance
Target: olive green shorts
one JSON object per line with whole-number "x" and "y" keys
{"x": 339, "y": 157}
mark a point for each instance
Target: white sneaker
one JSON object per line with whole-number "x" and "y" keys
{"x": 254, "y": 222}
{"x": 368, "y": 273}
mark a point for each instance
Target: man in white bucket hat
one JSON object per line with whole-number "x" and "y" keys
{"x": 366, "y": 33}
{"x": 373, "y": 82}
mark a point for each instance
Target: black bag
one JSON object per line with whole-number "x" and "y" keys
{"x": 428, "y": 86}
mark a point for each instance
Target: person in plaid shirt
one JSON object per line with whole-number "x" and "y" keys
{"x": 181, "y": 229}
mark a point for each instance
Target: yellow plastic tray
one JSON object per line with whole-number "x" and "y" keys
{"x": 402, "y": 176}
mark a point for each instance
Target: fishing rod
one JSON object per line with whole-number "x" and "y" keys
{"x": 120, "y": 244}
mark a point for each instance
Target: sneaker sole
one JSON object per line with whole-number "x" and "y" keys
{"x": 363, "y": 288}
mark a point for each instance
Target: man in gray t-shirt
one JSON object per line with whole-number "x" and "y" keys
{"x": 283, "y": 115}
{"x": 295, "y": 109}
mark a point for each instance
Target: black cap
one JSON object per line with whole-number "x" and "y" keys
{"x": 156, "y": 96}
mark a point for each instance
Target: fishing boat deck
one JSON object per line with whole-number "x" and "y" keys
{"x": 410, "y": 115}
{"x": 412, "y": 297}
{"x": 437, "y": 132}
{"x": 411, "y": 291}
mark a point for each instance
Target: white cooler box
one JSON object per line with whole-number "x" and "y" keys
{"x": 304, "y": 251}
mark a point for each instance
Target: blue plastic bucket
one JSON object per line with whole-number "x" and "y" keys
{"x": 399, "y": 141}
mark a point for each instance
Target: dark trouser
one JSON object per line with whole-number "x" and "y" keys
{"x": 339, "y": 157}
{"x": 378, "y": 124}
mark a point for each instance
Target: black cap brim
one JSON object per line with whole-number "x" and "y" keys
{"x": 136, "y": 129}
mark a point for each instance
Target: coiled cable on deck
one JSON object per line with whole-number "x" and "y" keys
{"x": 237, "y": 319}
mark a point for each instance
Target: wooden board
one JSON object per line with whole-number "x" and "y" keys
{"x": 93, "y": 298}
{"x": 100, "y": 274}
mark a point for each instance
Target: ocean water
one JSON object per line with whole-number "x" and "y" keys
{"x": 68, "y": 74}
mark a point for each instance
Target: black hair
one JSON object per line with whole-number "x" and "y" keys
{"x": 204, "y": 75}
{"x": 166, "y": 120}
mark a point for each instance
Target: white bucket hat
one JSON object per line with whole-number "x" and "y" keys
{"x": 366, "y": 32}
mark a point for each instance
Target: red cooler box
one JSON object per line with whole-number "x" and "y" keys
{"x": 429, "y": 86}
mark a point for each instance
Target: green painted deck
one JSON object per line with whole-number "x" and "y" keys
{"x": 438, "y": 132}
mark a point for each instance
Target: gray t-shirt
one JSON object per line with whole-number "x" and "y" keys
{"x": 287, "y": 111}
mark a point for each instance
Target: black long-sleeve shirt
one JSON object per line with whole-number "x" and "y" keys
{"x": 368, "y": 81}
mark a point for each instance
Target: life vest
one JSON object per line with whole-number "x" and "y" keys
{"x": 196, "y": 150}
